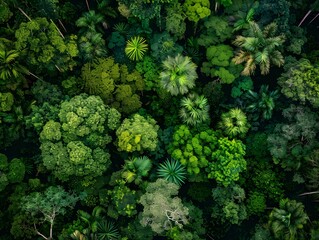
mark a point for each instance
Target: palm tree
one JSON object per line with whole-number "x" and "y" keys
{"x": 92, "y": 46}
{"x": 135, "y": 48}
{"x": 262, "y": 103}
{"x": 260, "y": 47}
{"x": 136, "y": 168}
{"x": 287, "y": 222}
{"x": 178, "y": 75}
{"x": 195, "y": 109}
{"x": 89, "y": 21}
{"x": 10, "y": 69}
{"x": 172, "y": 171}
{"x": 234, "y": 123}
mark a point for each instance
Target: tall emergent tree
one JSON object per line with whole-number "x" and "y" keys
{"x": 76, "y": 144}
{"x": 178, "y": 75}
{"x": 46, "y": 206}
{"x": 259, "y": 47}
{"x": 287, "y": 221}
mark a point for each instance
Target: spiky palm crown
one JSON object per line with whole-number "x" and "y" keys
{"x": 264, "y": 101}
{"x": 259, "y": 48}
{"x": 172, "y": 171}
{"x": 136, "y": 48}
{"x": 106, "y": 230}
{"x": 90, "y": 20}
{"x": 178, "y": 75}
{"x": 234, "y": 123}
{"x": 9, "y": 67}
{"x": 287, "y": 221}
{"x": 195, "y": 109}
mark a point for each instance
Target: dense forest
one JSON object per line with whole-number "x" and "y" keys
{"x": 159, "y": 119}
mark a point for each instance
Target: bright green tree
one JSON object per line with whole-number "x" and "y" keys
{"x": 137, "y": 133}
{"x": 259, "y": 47}
{"x": 114, "y": 84}
{"x": 220, "y": 65}
{"x": 43, "y": 46}
{"x": 178, "y": 75}
{"x": 234, "y": 123}
{"x": 136, "y": 48}
{"x": 196, "y": 9}
{"x": 287, "y": 221}
{"x": 49, "y": 204}
{"x": 172, "y": 171}
{"x": 75, "y": 145}
{"x": 227, "y": 161}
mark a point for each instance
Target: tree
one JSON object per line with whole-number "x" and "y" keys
{"x": 136, "y": 168}
{"x": 293, "y": 140}
{"x": 301, "y": 82}
{"x": 161, "y": 210}
{"x": 227, "y": 161}
{"x": 178, "y": 75}
{"x": 229, "y": 204}
{"x": 287, "y": 221}
{"x": 216, "y": 30}
{"x": 175, "y": 20}
{"x": 135, "y": 48}
{"x": 194, "y": 109}
{"x": 259, "y": 47}
{"x": 137, "y": 133}
{"x": 196, "y": 9}
{"x": 220, "y": 65}
{"x": 75, "y": 145}
{"x": 234, "y": 123}
{"x": 261, "y": 104}
{"x": 113, "y": 83}
{"x": 172, "y": 171}
{"x": 45, "y": 48}
{"x": 52, "y": 202}
{"x": 11, "y": 71}
{"x": 89, "y": 21}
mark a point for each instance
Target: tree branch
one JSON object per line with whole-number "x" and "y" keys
{"x": 36, "y": 230}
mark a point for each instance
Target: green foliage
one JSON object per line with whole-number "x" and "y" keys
{"x": 216, "y": 30}
{"x": 52, "y": 202}
{"x": 193, "y": 151}
{"x": 261, "y": 104}
{"x": 178, "y": 75}
{"x": 194, "y": 109}
{"x": 92, "y": 46}
{"x": 290, "y": 142}
{"x": 89, "y": 21}
{"x": 123, "y": 199}
{"x": 163, "y": 45}
{"x": 6, "y": 101}
{"x": 75, "y": 145}
{"x": 11, "y": 71}
{"x": 196, "y": 9}
{"x": 219, "y": 63}
{"x": 225, "y": 3}
{"x": 136, "y": 48}
{"x": 234, "y": 123}
{"x": 114, "y": 84}
{"x": 137, "y": 134}
{"x": 150, "y": 71}
{"x": 5, "y": 13}
{"x": 259, "y": 47}
{"x": 300, "y": 82}
{"x": 268, "y": 183}
{"x": 175, "y": 20}
{"x": 162, "y": 209}
{"x": 287, "y": 221}
{"x": 227, "y": 161}
{"x": 256, "y": 203}
{"x": 136, "y": 168}
{"x": 240, "y": 86}
{"x": 172, "y": 171}
{"x": 16, "y": 171}
{"x": 44, "y": 47}
{"x": 229, "y": 205}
